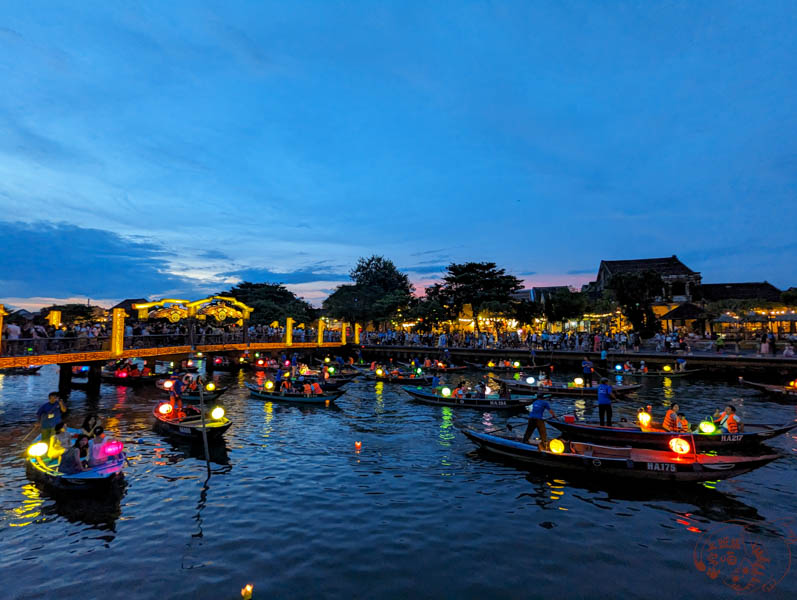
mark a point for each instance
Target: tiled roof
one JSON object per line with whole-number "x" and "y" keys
{"x": 664, "y": 266}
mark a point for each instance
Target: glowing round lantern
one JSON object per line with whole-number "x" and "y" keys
{"x": 358, "y": 445}
{"x": 516, "y": 364}
{"x": 190, "y": 363}
{"x": 530, "y": 380}
{"x": 38, "y": 449}
{"x": 707, "y": 427}
{"x": 122, "y": 374}
{"x": 618, "y": 367}
{"x": 217, "y": 413}
{"x": 112, "y": 448}
{"x": 679, "y": 445}
{"x": 260, "y": 362}
{"x": 488, "y": 390}
{"x": 217, "y": 360}
{"x": 446, "y": 392}
{"x": 332, "y": 370}
{"x": 557, "y": 446}
{"x": 210, "y": 386}
{"x": 269, "y": 385}
{"x": 666, "y": 368}
{"x": 578, "y": 381}
{"x": 168, "y": 384}
{"x": 287, "y": 363}
{"x": 165, "y": 409}
{"x": 643, "y": 418}
{"x": 419, "y": 371}
{"x": 491, "y": 364}
{"x": 199, "y": 354}
{"x": 441, "y": 365}
{"x": 380, "y": 372}
{"x": 326, "y": 360}
{"x": 246, "y": 591}
{"x": 241, "y": 359}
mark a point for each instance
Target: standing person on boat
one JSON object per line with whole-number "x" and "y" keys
{"x": 536, "y": 421}
{"x": 50, "y": 414}
{"x": 680, "y": 364}
{"x": 176, "y": 395}
{"x": 605, "y": 397}
{"x": 670, "y": 422}
{"x": 587, "y": 368}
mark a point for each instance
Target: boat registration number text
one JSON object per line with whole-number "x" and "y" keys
{"x": 661, "y": 467}
{"x": 731, "y": 438}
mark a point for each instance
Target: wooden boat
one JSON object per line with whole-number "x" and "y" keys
{"x": 658, "y": 373}
{"x": 94, "y": 479}
{"x": 190, "y": 425}
{"x": 499, "y": 369}
{"x": 226, "y": 365}
{"x": 521, "y": 387}
{"x": 435, "y": 369}
{"x": 296, "y": 397}
{"x": 491, "y": 402}
{"x": 193, "y": 395}
{"x": 624, "y": 462}
{"x": 123, "y": 379}
{"x": 27, "y": 370}
{"x": 788, "y": 392}
{"x": 638, "y": 437}
{"x": 403, "y": 378}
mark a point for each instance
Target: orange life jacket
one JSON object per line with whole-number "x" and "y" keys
{"x": 317, "y": 388}
{"x": 308, "y": 389}
{"x": 670, "y": 422}
{"x": 683, "y": 424}
{"x": 728, "y": 421}
{"x": 373, "y": 366}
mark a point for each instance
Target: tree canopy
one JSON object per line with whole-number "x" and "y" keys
{"x": 271, "y": 302}
{"x": 379, "y": 290}
{"x": 482, "y": 285}
{"x": 635, "y": 292}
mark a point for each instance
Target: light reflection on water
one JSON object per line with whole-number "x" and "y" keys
{"x": 292, "y": 507}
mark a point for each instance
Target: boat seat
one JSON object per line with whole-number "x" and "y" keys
{"x": 599, "y": 451}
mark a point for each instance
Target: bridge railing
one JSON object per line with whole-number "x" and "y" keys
{"x": 38, "y": 346}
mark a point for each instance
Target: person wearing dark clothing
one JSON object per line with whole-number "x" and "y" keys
{"x": 605, "y": 397}
{"x": 50, "y": 414}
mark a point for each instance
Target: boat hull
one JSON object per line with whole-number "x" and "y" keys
{"x": 781, "y": 392}
{"x": 524, "y": 388}
{"x": 98, "y": 479}
{"x": 191, "y": 429}
{"x": 648, "y": 465}
{"x": 515, "y": 403}
{"x": 521, "y": 369}
{"x": 637, "y": 438}
{"x": 260, "y": 394}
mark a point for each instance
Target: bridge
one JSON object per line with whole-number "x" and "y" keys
{"x": 98, "y": 350}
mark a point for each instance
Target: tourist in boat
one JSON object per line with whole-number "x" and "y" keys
{"x": 628, "y": 367}
{"x": 682, "y": 423}
{"x": 97, "y": 447}
{"x": 729, "y": 420}
{"x": 89, "y": 423}
{"x": 307, "y": 389}
{"x": 316, "y": 388}
{"x": 72, "y": 459}
{"x": 670, "y": 422}
{"x": 788, "y": 351}
{"x": 643, "y": 368}
{"x": 50, "y": 414}
{"x": 134, "y": 372}
{"x": 286, "y": 387}
{"x": 59, "y": 442}
{"x": 537, "y": 421}
{"x": 587, "y": 368}
{"x": 605, "y": 397}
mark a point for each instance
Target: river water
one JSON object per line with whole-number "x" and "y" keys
{"x": 294, "y": 509}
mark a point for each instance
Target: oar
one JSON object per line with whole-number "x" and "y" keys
{"x": 34, "y": 428}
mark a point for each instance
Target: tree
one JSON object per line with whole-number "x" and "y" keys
{"x": 480, "y": 284}
{"x": 789, "y": 297}
{"x": 563, "y": 305}
{"x": 635, "y": 292}
{"x": 72, "y": 313}
{"x": 379, "y": 291}
{"x": 525, "y": 311}
{"x": 272, "y": 302}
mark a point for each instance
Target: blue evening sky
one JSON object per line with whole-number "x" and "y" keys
{"x": 164, "y": 148}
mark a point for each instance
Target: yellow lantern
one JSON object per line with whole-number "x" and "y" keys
{"x": 38, "y": 449}
{"x": 446, "y": 392}
{"x": 707, "y": 427}
{"x": 557, "y": 446}
{"x": 643, "y": 418}
{"x": 217, "y": 413}
{"x": 679, "y": 445}
{"x": 578, "y": 381}
{"x": 210, "y": 386}
{"x": 667, "y": 368}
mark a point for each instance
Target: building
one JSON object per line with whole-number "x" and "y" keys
{"x": 539, "y": 294}
{"x": 680, "y": 282}
{"x": 716, "y": 292}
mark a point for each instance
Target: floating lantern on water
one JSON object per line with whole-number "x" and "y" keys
{"x": 165, "y": 409}
{"x": 326, "y": 402}
{"x": 530, "y": 380}
{"x": 358, "y": 446}
{"x": 38, "y": 449}
{"x": 578, "y": 381}
{"x": 210, "y": 386}
{"x": 269, "y": 385}
{"x": 679, "y": 445}
{"x": 643, "y": 418}
{"x": 707, "y": 427}
{"x": 246, "y": 591}
{"x": 557, "y": 446}
{"x": 666, "y": 368}
{"x": 516, "y": 364}
{"x": 446, "y": 392}
{"x": 217, "y": 413}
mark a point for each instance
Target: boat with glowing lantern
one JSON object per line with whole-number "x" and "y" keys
{"x": 515, "y": 367}
{"x": 577, "y": 389}
{"x": 706, "y": 437}
{"x": 210, "y": 394}
{"x": 260, "y": 393}
{"x": 489, "y": 402}
{"x": 665, "y": 372}
{"x": 188, "y": 424}
{"x": 124, "y": 378}
{"x": 438, "y": 368}
{"x": 385, "y": 376}
{"x": 679, "y": 464}
{"x": 45, "y": 471}
{"x": 783, "y": 392}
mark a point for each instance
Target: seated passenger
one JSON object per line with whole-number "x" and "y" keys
{"x": 72, "y": 459}
{"x": 682, "y": 423}
{"x": 670, "y": 422}
{"x": 317, "y": 388}
{"x": 59, "y": 442}
{"x": 97, "y": 447}
{"x": 307, "y": 389}
{"x": 729, "y": 420}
